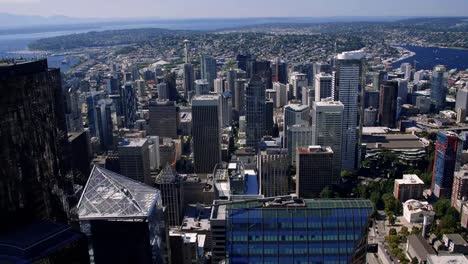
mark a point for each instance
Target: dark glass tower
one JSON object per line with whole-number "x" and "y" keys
{"x": 388, "y": 104}
{"x": 206, "y": 133}
{"x": 33, "y": 137}
{"x": 255, "y": 111}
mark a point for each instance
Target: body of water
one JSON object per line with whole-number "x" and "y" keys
{"x": 428, "y": 57}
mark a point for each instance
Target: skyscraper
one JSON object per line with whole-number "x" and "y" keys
{"x": 163, "y": 91}
{"x": 269, "y": 117}
{"x": 134, "y": 159}
{"x": 462, "y": 99}
{"x": 226, "y": 103}
{"x": 273, "y": 172}
{"x": 202, "y": 87}
{"x": 281, "y": 94}
{"x": 33, "y": 134}
{"x": 347, "y": 83}
{"x": 314, "y": 170}
{"x": 231, "y": 76}
{"x": 189, "y": 79}
{"x": 403, "y": 90}
{"x": 129, "y": 104}
{"x": 219, "y": 85}
{"x": 388, "y": 103}
{"x": 242, "y": 61}
{"x": 275, "y": 230}
{"x": 439, "y": 87}
{"x": 298, "y": 80}
{"x": 163, "y": 119}
{"x": 208, "y": 70}
{"x": 255, "y": 111}
{"x": 169, "y": 183}
{"x": 73, "y": 110}
{"x": 444, "y": 164}
{"x": 321, "y": 67}
{"x": 298, "y": 136}
{"x": 406, "y": 68}
{"x": 280, "y": 71}
{"x": 323, "y": 86}
{"x": 372, "y": 98}
{"x": 206, "y": 132}
{"x": 308, "y": 70}
{"x": 123, "y": 218}
{"x": 327, "y": 120}
{"x": 141, "y": 87}
{"x": 370, "y": 117}
{"x": 262, "y": 70}
{"x": 294, "y": 114}
{"x": 239, "y": 96}
{"x": 91, "y": 100}
{"x": 104, "y": 123}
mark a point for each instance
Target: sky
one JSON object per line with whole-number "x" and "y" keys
{"x": 233, "y": 8}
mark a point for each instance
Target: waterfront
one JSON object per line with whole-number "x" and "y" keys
{"x": 428, "y": 57}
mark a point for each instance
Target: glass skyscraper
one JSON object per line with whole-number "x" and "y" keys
{"x": 444, "y": 164}
{"x": 347, "y": 86}
{"x": 297, "y": 231}
{"x": 439, "y": 87}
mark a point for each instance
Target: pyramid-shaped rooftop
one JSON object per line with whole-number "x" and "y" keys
{"x": 167, "y": 175}
{"x": 110, "y": 195}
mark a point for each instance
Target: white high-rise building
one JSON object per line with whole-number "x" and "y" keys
{"x": 219, "y": 85}
{"x": 294, "y": 114}
{"x": 298, "y": 136}
{"x": 281, "y": 94}
{"x": 462, "y": 99}
{"x": 154, "y": 156}
{"x": 298, "y": 80}
{"x": 327, "y": 121}
{"x": 323, "y": 86}
{"x": 406, "y": 68}
{"x": 347, "y": 82}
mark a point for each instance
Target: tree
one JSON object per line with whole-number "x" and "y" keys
{"x": 391, "y": 204}
{"x": 392, "y": 232}
{"x": 375, "y": 198}
{"x": 415, "y": 230}
{"x": 363, "y": 192}
{"x": 426, "y": 177}
{"x": 391, "y": 219}
{"x": 404, "y": 231}
{"x": 327, "y": 192}
{"x": 347, "y": 174}
{"x": 441, "y": 207}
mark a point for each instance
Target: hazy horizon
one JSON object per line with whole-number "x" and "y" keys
{"x": 189, "y": 9}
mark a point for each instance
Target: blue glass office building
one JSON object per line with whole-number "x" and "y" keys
{"x": 298, "y": 231}
{"x": 445, "y": 158}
